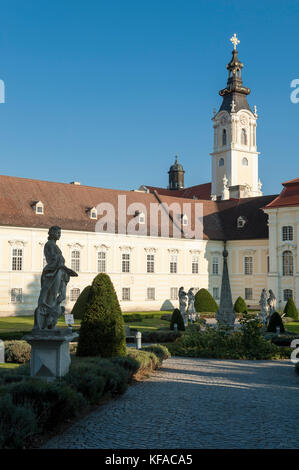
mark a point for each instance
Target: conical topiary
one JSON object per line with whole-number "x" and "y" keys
{"x": 274, "y": 322}
{"x": 83, "y": 300}
{"x": 240, "y": 305}
{"x": 178, "y": 319}
{"x": 204, "y": 302}
{"x": 102, "y": 330}
{"x": 290, "y": 309}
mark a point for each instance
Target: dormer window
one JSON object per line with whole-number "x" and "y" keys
{"x": 38, "y": 207}
{"x": 93, "y": 213}
{"x": 141, "y": 217}
{"x": 241, "y": 221}
{"x": 184, "y": 219}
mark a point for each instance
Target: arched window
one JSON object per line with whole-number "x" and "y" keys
{"x": 245, "y": 161}
{"x": 75, "y": 260}
{"x": 243, "y": 137}
{"x": 287, "y": 263}
{"x": 221, "y": 162}
{"x": 224, "y": 137}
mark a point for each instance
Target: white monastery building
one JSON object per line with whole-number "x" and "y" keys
{"x": 147, "y": 264}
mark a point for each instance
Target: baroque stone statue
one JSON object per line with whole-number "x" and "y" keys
{"x": 54, "y": 279}
{"x": 271, "y": 303}
{"x": 183, "y": 304}
{"x": 264, "y": 306}
{"x": 191, "y": 308}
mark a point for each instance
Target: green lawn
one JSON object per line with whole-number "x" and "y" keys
{"x": 9, "y": 365}
{"x": 292, "y": 326}
{"x": 23, "y": 323}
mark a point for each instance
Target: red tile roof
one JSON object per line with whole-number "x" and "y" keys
{"x": 200, "y": 191}
{"x": 289, "y": 196}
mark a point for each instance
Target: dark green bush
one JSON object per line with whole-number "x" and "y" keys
{"x": 146, "y": 360}
{"x": 290, "y": 309}
{"x": 128, "y": 363}
{"x": 102, "y": 330}
{"x": 160, "y": 351}
{"x": 134, "y": 317}
{"x": 16, "y": 423}
{"x": 178, "y": 319}
{"x": 160, "y": 336}
{"x": 17, "y": 351}
{"x": 274, "y": 322}
{"x": 204, "y": 302}
{"x": 86, "y": 382}
{"x": 240, "y": 305}
{"x": 166, "y": 316}
{"x": 53, "y": 403}
{"x": 81, "y": 303}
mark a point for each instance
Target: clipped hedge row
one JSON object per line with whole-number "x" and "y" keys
{"x": 29, "y": 406}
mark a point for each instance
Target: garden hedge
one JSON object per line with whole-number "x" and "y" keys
{"x": 204, "y": 302}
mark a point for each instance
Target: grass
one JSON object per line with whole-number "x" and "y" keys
{"x": 9, "y": 365}
{"x": 292, "y": 326}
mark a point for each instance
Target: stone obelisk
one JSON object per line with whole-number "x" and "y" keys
{"x": 225, "y": 315}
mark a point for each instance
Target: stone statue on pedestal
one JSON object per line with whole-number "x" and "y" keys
{"x": 183, "y": 304}
{"x": 54, "y": 279}
{"x": 271, "y": 303}
{"x": 264, "y": 307}
{"x": 191, "y": 308}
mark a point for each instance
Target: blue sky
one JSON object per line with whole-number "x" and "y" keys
{"x": 106, "y": 92}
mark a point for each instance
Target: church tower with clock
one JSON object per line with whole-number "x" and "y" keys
{"x": 235, "y": 155}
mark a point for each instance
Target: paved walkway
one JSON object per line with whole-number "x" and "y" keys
{"x": 197, "y": 403}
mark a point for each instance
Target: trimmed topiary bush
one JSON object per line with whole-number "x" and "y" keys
{"x": 290, "y": 309}
{"x": 240, "y": 305}
{"x": 17, "y": 351}
{"x": 81, "y": 303}
{"x": 274, "y": 322}
{"x": 178, "y": 319}
{"x": 102, "y": 330}
{"x": 204, "y": 302}
{"x": 16, "y": 423}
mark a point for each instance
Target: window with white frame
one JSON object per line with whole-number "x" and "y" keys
{"x": 17, "y": 259}
{"x": 75, "y": 260}
{"x": 248, "y": 293}
{"x": 93, "y": 213}
{"x": 126, "y": 293}
{"x": 287, "y": 294}
{"x": 74, "y": 294}
{"x": 215, "y": 265}
{"x": 248, "y": 265}
{"x": 245, "y": 161}
{"x": 39, "y": 208}
{"x": 173, "y": 266}
{"x": 16, "y": 295}
{"x": 151, "y": 293}
{"x": 141, "y": 219}
{"x": 174, "y": 292}
{"x": 101, "y": 261}
{"x": 287, "y": 263}
{"x": 287, "y": 233}
{"x": 125, "y": 264}
{"x": 216, "y": 293}
{"x": 195, "y": 264}
{"x": 184, "y": 220}
{"x": 150, "y": 263}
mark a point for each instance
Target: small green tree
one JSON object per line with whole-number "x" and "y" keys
{"x": 290, "y": 309}
{"x": 275, "y": 320}
{"x": 240, "y": 305}
{"x": 204, "y": 302}
{"x": 178, "y": 319}
{"x": 102, "y": 331}
{"x": 80, "y": 306}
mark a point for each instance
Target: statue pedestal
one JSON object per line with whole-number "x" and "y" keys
{"x": 50, "y": 356}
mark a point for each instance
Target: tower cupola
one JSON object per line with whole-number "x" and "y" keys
{"x": 176, "y": 175}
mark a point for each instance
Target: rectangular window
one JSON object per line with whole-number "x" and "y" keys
{"x": 195, "y": 265}
{"x": 287, "y": 233}
{"x": 248, "y": 265}
{"x": 101, "y": 262}
{"x": 75, "y": 260}
{"x": 74, "y": 294}
{"x": 173, "y": 264}
{"x": 248, "y": 293}
{"x": 126, "y": 294}
{"x": 215, "y": 265}
{"x": 17, "y": 259}
{"x": 151, "y": 293}
{"x": 287, "y": 294}
{"x": 16, "y": 296}
{"x": 174, "y": 292}
{"x": 216, "y": 293}
{"x": 150, "y": 263}
{"x": 125, "y": 267}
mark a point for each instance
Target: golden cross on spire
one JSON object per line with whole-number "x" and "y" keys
{"x": 235, "y": 41}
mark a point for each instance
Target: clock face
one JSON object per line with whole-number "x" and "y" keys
{"x": 243, "y": 120}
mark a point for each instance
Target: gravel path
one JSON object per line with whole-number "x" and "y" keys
{"x": 197, "y": 403}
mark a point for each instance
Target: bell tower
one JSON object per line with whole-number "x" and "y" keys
{"x": 235, "y": 155}
{"x": 176, "y": 175}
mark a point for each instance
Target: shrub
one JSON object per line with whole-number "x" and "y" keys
{"x": 240, "y": 305}
{"x": 146, "y": 360}
{"x": 159, "y": 350}
{"x": 84, "y": 381}
{"x": 178, "y": 319}
{"x": 166, "y": 316}
{"x": 83, "y": 300}
{"x": 102, "y": 328}
{"x": 16, "y": 423}
{"x": 274, "y": 322}
{"x": 53, "y": 403}
{"x": 134, "y": 317}
{"x": 290, "y": 309}
{"x": 17, "y": 351}
{"x": 160, "y": 336}
{"x": 204, "y": 302}
{"x": 128, "y": 363}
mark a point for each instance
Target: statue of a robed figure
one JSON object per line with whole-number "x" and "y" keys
{"x": 54, "y": 279}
